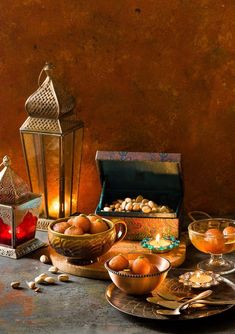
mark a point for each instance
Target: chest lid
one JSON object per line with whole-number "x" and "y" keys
{"x": 160, "y": 172}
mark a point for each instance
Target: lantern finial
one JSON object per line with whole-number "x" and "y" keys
{"x": 48, "y": 68}
{"x": 6, "y": 161}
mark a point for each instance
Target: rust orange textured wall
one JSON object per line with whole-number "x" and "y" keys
{"x": 151, "y": 75}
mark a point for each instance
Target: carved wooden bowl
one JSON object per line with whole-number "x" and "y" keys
{"x": 86, "y": 247}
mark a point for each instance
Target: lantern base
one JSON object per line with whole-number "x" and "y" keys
{"x": 43, "y": 223}
{"x": 25, "y": 248}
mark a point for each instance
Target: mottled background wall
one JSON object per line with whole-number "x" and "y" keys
{"x": 151, "y": 75}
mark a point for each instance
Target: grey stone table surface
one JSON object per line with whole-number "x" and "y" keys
{"x": 80, "y": 305}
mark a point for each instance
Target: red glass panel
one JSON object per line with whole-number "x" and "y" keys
{"x": 26, "y": 229}
{"x": 5, "y": 233}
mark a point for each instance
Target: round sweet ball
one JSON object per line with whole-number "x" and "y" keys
{"x": 93, "y": 217}
{"x": 214, "y": 233}
{"x": 73, "y": 230}
{"x": 118, "y": 263}
{"x": 141, "y": 266}
{"x": 61, "y": 227}
{"x": 82, "y": 222}
{"x": 229, "y": 230}
{"x": 98, "y": 226}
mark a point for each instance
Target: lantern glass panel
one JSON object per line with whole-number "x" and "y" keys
{"x": 25, "y": 220}
{"x": 68, "y": 171}
{"x": 33, "y": 155}
{"x": 77, "y": 153}
{"x": 51, "y": 151}
{"x": 42, "y": 157}
{"x": 53, "y": 163}
{"x": 6, "y": 214}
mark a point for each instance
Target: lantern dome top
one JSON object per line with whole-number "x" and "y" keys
{"x": 13, "y": 188}
{"x": 49, "y": 101}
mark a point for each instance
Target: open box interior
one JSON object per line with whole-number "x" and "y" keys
{"x": 155, "y": 180}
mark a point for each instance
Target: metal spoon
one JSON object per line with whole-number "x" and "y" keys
{"x": 213, "y": 302}
{"x": 201, "y": 295}
{"x": 171, "y": 297}
{"x": 173, "y": 304}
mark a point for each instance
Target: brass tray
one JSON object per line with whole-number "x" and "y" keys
{"x": 139, "y": 307}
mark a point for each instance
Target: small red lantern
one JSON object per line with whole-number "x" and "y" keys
{"x": 19, "y": 210}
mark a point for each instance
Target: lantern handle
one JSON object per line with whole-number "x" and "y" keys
{"x": 47, "y": 68}
{"x": 192, "y": 213}
{"x": 6, "y": 161}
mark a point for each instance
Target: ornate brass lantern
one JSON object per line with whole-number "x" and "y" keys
{"x": 52, "y": 145}
{"x": 19, "y": 209}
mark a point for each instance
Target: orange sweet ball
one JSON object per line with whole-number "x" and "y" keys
{"x": 73, "y": 230}
{"x": 61, "y": 227}
{"x": 229, "y": 236}
{"x": 214, "y": 241}
{"x": 229, "y": 230}
{"x": 214, "y": 233}
{"x": 98, "y": 226}
{"x": 92, "y": 217}
{"x": 118, "y": 263}
{"x": 141, "y": 266}
{"x": 82, "y": 222}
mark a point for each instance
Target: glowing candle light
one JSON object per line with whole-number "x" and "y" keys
{"x": 159, "y": 242}
{"x": 55, "y": 207}
{"x": 200, "y": 278}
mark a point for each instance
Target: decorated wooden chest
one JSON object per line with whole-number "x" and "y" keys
{"x": 150, "y": 182}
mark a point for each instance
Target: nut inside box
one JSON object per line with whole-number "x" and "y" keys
{"x": 155, "y": 176}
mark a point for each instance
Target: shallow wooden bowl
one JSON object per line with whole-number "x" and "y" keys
{"x": 140, "y": 284}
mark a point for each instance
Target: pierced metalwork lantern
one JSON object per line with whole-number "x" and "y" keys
{"x": 19, "y": 210}
{"x": 52, "y": 145}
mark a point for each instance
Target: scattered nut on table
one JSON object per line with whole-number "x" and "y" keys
{"x": 31, "y": 285}
{"x": 53, "y": 269}
{"x": 39, "y": 280}
{"x": 42, "y": 276}
{"x": 63, "y": 278}
{"x": 15, "y": 285}
{"x": 44, "y": 259}
{"x": 49, "y": 280}
{"x": 138, "y": 204}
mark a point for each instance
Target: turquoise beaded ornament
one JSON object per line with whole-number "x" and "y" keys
{"x": 145, "y": 243}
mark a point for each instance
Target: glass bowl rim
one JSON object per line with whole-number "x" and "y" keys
{"x": 208, "y": 220}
